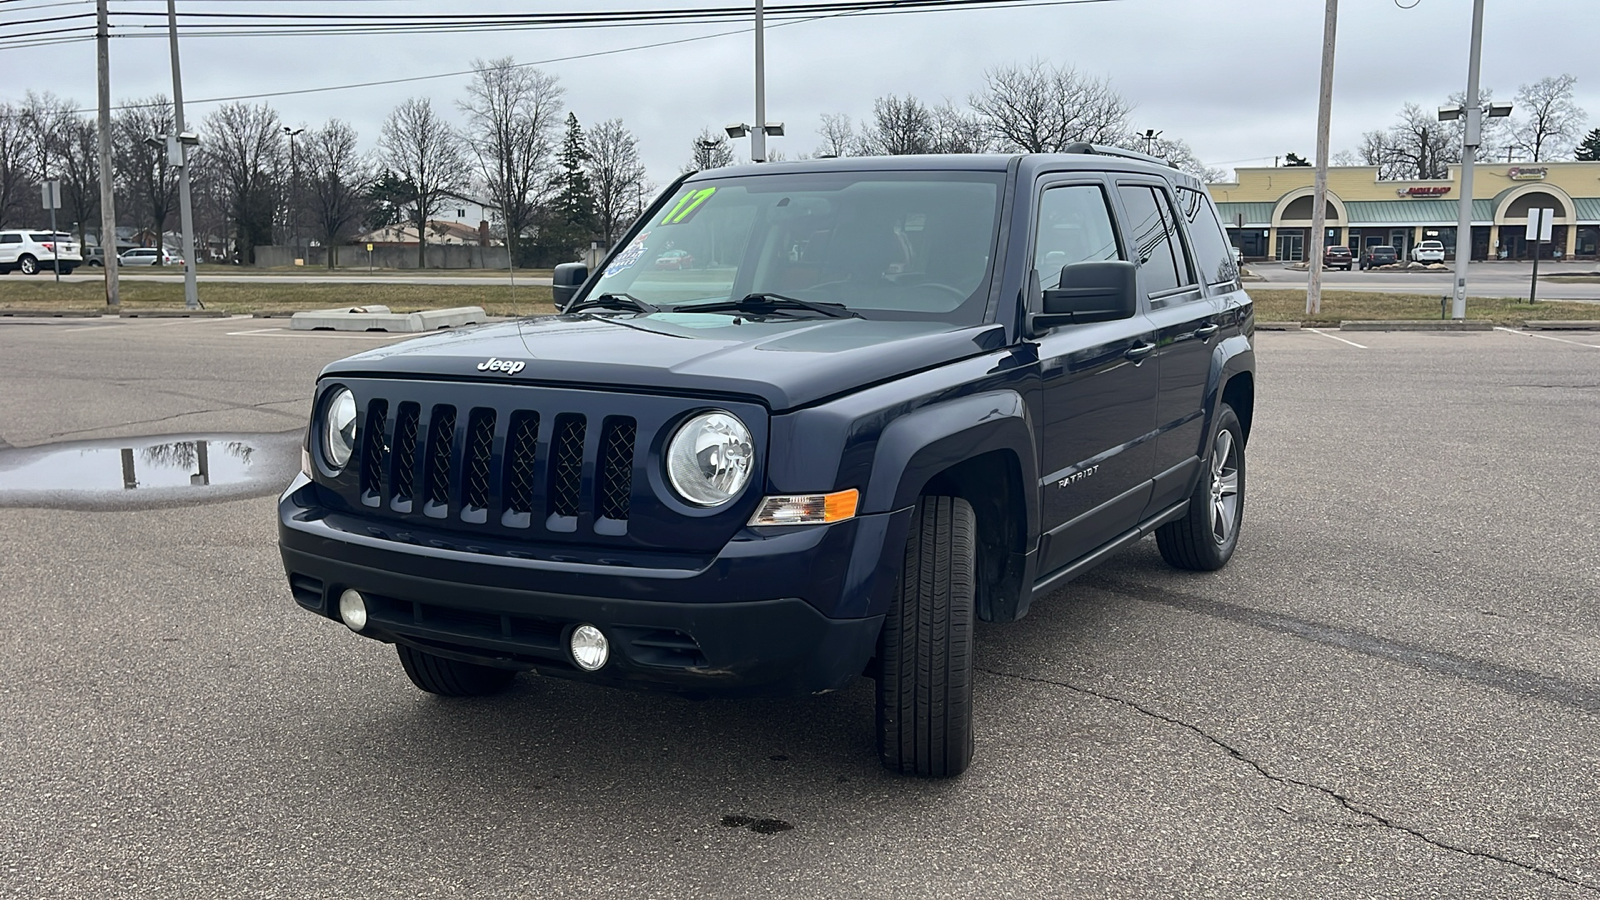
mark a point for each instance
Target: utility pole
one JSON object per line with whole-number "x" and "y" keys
{"x": 758, "y": 134}
{"x": 108, "y": 209}
{"x": 294, "y": 192}
{"x": 1319, "y": 211}
{"x": 1471, "y": 136}
{"x": 181, "y": 140}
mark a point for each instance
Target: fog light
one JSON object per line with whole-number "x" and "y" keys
{"x": 590, "y": 650}
{"x": 353, "y": 610}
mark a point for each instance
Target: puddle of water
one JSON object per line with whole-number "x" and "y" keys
{"x": 118, "y": 472}
{"x": 176, "y": 464}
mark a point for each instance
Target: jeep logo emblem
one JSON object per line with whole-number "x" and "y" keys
{"x": 507, "y": 366}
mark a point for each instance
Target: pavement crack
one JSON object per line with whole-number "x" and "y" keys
{"x": 1372, "y": 819}
{"x": 193, "y": 412}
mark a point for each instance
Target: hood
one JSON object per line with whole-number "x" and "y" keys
{"x": 786, "y": 363}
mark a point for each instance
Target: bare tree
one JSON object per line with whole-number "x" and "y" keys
{"x": 838, "y": 136}
{"x": 336, "y": 179}
{"x": 14, "y": 159}
{"x": 424, "y": 152}
{"x": 711, "y": 151}
{"x": 80, "y": 174}
{"x": 899, "y": 126}
{"x": 1418, "y": 146}
{"x": 956, "y": 131}
{"x": 1178, "y": 152}
{"x": 513, "y": 114}
{"x": 143, "y": 169}
{"x": 1041, "y": 108}
{"x": 1551, "y": 121}
{"x": 615, "y": 175}
{"x": 244, "y": 145}
{"x": 62, "y": 146}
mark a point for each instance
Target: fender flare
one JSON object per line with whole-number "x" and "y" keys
{"x": 919, "y": 445}
{"x": 1233, "y": 356}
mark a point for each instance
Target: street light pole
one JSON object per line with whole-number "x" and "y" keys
{"x": 758, "y": 132}
{"x": 1471, "y": 136}
{"x": 191, "y": 294}
{"x": 294, "y": 192}
{"x": 108, "y": 195}
{"x": 1319, "y": 192}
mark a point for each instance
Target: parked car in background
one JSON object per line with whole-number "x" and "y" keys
{"x": 32, "y": 252}
{"x": 146, "y": 256}
{"x": 94, "y": 256}
{"x": 1379, "y": 255}
{"x": 674, "y": 259}
{"x": 1337, "y": 257}
{"x": 1428, "y": 252}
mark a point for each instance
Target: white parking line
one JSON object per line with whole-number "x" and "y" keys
{"x": 1335, "y": 337}
{"x": 360, "y": 336}
{"x": 1546, "y": 337}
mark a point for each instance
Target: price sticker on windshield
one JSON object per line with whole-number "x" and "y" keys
{"x": 685, "y": 208}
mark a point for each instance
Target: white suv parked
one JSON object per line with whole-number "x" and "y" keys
{"x": 32, "y": 252}
{"x": 1428, "y": 252}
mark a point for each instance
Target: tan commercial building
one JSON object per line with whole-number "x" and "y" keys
{"x": 1268, "y": 210}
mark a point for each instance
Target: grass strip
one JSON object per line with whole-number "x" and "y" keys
{"x": 237, "y": 297}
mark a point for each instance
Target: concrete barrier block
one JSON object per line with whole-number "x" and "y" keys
{"x": 370, "y": 319}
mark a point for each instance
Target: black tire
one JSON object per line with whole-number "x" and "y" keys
{"x": 67, "y": 270}
{"x": 1205, "y": 538}
{"x": 28, "y": 265}
{"x": 451, "y": 677}
{"x": 925, "y": 649}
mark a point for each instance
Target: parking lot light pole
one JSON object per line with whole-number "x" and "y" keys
{"x": 1319, "y": 192}
{"x": 1471, "y": 136}
{"x": 178, "y": 146}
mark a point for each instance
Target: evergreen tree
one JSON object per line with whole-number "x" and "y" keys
{"x": 1589, "y": 150}
{"x": 572, "y": 215}
{"x": 1295, "y": 159}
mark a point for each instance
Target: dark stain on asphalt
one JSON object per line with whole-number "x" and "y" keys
{"x": 1521, "y": 681}
{"x": 759, "y": 826}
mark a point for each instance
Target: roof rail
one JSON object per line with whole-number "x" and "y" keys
{"x": 1086, "y": 147}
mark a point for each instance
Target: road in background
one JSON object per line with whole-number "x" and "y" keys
{"x": 1496, "y": 279}
{"x": 1392, "y": 690}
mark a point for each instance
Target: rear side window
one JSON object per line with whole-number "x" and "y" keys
{"x": 1074, "y": 226}
{"x": 1155, "y": 240}
{"x": 40, "y": 237}
{"x": 1211, "y": 246}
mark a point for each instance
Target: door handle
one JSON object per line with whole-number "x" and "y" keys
{"x": 1206, "y": 331}
{"x": 1139, "y": 351}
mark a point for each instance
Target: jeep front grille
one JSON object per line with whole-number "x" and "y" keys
{"x": 487, "y": 466}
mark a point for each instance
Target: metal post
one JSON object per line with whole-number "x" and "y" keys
{"x": 1469, "y": 148}
{"x": 1537, "y": 215}
{"x": 191, "y": 295}
{"x": 758, "y": 133}
{"x": 108, "y": 207}
{"x": 1319, "y": 212}
{"x": 53, "y": 190}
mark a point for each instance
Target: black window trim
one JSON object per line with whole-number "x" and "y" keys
{"x": 1196, "y": 286}
{"x": 1050, "y": 180}
{"x": 1228, "y": 285}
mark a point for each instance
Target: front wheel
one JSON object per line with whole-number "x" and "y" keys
{"x": 28, "y": 265}
{"x": 1205, "y": 538}
{"x": 925, "y": 648}
{"x": 451, "y": 677}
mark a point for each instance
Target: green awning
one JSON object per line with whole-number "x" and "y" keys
{"x": 1256, "y": 215}
{"x": 1415, "y": 212}
{"x": 1588, "y": 211}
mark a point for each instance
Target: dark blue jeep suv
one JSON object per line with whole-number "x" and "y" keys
{"x": 807, "y": 422}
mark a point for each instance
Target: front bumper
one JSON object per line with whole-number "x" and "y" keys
{"x": 749, "y": 621}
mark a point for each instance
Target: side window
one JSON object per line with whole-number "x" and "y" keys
{"x": 10, "y": 238}
{"x": 1211, "y": 247}
{"x": 1074, "y": 226}
{"x": 1155, "y": 240}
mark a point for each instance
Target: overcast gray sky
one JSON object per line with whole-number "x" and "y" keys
{"x": 1237, "y": 79}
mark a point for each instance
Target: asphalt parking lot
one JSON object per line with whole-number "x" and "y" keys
{"x": 1392, "y": 691}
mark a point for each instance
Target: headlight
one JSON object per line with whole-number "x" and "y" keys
{"x": 709, "y": 459}
{"x": 339, "y": 427}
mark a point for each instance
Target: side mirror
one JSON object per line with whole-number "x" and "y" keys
{"x": 1090, "y": 292}
{"x": 565, "y": 282}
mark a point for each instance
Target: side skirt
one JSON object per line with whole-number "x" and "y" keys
{"x": 1068, "y": 572}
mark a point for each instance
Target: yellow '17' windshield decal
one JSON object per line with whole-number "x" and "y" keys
{"x": 686, "y": 205}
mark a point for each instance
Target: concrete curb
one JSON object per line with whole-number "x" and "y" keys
{"x": 1418, "y": 325}
{"x": 368, "y": 319}
{"x": 174, "y": 314}
{"x": 1561, "y": 325}
{"x": 53, "y": 313}
{"x": 1278, "y": 326}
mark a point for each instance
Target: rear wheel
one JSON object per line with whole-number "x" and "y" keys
{"x": 450, "y": 677}
{"x": 1204, "y": 539}
{"x": 925, "y": 649}
{"x": 28, "y": 265}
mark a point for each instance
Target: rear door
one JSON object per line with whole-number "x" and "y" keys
{"x": 1098, "y": 385}
{"x": 1186, "y": 323}
{"x": 10, "y": 248}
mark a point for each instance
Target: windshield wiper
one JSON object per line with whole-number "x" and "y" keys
{"x": 767, "y": 302}
{"x": 613, "y": 301}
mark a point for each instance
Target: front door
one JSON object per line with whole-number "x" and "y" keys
{"x": 1291, "y": 246}
{"x": 1099, "y": 385}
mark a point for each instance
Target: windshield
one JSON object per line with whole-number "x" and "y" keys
{"x": 887, "y": 245}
